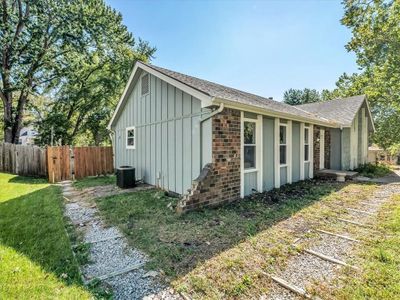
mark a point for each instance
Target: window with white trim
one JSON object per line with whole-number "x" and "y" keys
{"x": 249, "y": 144}
{"x": 306, "y": 144}
{"x": 283, "y": 144}
{"x": 130, "y": 138}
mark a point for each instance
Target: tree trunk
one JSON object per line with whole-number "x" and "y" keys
{"x": 7, "y": 117}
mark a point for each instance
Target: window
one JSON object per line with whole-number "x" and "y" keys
{"x": 130, "y": 138}
{"x": 306, "y": 144}
{"x": 249, "y": 145}
{"x": 145, "y": 84}
{"x": 282, "y": 145}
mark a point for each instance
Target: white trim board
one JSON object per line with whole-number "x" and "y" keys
{"x": 258, "y": 145}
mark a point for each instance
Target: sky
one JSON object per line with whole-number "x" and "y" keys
{"x": 262, "y": 47}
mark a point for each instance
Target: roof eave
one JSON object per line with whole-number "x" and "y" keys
{"x": 206, "y": 100}
{"x": 271, "y": 113}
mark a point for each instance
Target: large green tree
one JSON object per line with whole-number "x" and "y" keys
{"x": 375, "y": 27}
{"x": 64, "y": 49}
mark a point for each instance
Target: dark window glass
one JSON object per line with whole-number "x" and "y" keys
{"x": 305, "y": 135}
{"x": 306, "y": 152}
{"x": 249, "y": 133}
{"x": 130, "y": 139}
{"x": 249, "y": 157}
{"x": 282, "y": 135}
{"x": 282, "y": 154}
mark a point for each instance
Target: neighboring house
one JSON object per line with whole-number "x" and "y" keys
{"x": 212, "y": 144}
{"x": 377, "y": 154}
{"x": 27, "y": 136}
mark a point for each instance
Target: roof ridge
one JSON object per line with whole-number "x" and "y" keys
{"x": 157, "y": 68}
{"x": 331, "y": 100}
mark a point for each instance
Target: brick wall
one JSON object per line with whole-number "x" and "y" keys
{"x": 219, "y": 181}
{"x": 327, "y": 152}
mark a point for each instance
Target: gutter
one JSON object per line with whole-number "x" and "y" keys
{"x": 201, "y": 121}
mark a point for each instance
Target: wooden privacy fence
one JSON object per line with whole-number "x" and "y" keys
{"x": 66, "y": 163}
{"x": 27, "y": 160}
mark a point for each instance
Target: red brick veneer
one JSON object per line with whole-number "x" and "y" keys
{"x": 219, "y": 181}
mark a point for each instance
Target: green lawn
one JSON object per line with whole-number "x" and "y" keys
{"x": 380, "y": 278}
{"x": 221, "y": 253}
{"x": 94, "y": 181}
{"x": 36, "y": 260}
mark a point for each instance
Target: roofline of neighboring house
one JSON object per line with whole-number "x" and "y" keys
{"x": 207, "y": 100}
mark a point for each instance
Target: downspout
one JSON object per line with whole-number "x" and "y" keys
{"x": 341, "y": 149}
{"x": 215, "y": 112}
{"x": 112, "y": 136}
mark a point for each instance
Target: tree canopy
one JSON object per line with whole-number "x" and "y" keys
{"x": 77, "y": 54}
{"x": 297, "y": 97}
{"x": 375, "y": 27}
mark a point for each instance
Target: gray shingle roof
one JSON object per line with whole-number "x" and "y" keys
{"x": 223, "y": 92}
{"x": 342, "y": 110}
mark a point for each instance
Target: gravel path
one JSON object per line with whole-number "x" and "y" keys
{"x": 111, "y": 259}
{"x": 304, "y": 270}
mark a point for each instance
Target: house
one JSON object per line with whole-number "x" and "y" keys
{"x": 212, "y": 144}
{"x": 27, "y": 136}
{"x": 377, "y": 154}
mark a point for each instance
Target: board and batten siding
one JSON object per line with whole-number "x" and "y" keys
{"x": 296, "y": 151}
{"x": 270, "y": 153}
{"x": 167, "y": 136}
{"x": 335, "y": 156}
{"x": 354, "y": 141}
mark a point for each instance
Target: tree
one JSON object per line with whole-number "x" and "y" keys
{"x": 296, "y": 97}
{"x": 48, "y": 45}
{"x": 375, "y": 27}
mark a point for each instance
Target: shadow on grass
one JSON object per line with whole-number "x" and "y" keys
{"x": 27, "y": 180}
{"x": 177, "y": 244}
{"x": 33, "y": 238}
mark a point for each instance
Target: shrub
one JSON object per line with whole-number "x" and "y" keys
{"x": 371, "y": 170}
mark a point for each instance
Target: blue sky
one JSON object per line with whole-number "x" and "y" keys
{"x": 263, "y": 47}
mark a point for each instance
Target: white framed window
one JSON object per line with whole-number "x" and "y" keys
{"x": 249, "y": 144}
{"x": 306, "y": 144}
{"x": 130, "y": 138}
{"x": 145, "y": 84}
{"x": 283, "y": 153}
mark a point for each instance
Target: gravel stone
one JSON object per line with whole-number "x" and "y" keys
{"x": 109, "y": 250}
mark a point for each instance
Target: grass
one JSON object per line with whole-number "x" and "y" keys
{"x": 35, "y": 252}
{"x": 373, "y": 171}
{"x": 380, "y": 278}
{"x": 94, "y": 181}
{"x": 222, "y": 252}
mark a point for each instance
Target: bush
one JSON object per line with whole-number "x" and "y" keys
{"x": 372, "y": 171}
